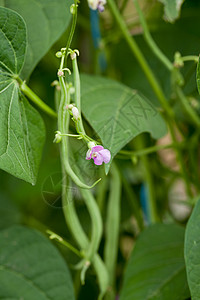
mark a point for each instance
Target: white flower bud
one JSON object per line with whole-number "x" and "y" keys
{"x": 70, "y": 106}
{"x": 75, "y": 113}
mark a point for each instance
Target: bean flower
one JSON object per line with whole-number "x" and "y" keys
{"x": 98, "y": 154}
{"x": 97, "y": 4}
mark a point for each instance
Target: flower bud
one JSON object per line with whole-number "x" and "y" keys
{"x": 91, "y": 144}
{"x": 178, "y": 62}
{"x": 75, "y": 113}
{"x": 60, "y": 73}
{"x": 58, "y": 137}
{"x": 73, "y": 55}
{"x": 59, "y": 54}
{"x": 70, "y": 106}
{"x": 73, "y": 9}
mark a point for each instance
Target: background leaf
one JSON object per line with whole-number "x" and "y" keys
{"x": 118, "y": 113}
{"x": 31, "y": 267}
{"x": 22, "y": 130}
{"x": 172, "y": 9}
{"x": 10, "y": 213}
{"x": 192, "y": 252}
{"x": 156, "y": 269}
{"x": 46, "y": 20}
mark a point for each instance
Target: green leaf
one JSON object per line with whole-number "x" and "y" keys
{"x": 22, "y": 130}
{"x": 12, "y": 44}
{"x": 118, "y": 113}
{"x": 172, "y": 9}
{"x": 192, "y": 252}
{"x": 31, "y": 267}
{"x": 156, "y": 269}
{"x": 198, "y": 77}
{"x": 46, "y": 21}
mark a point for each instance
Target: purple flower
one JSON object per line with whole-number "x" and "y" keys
{"x": 99, "y": 155}
{"x": 97, "y": 4}
{"x": 100, "y": 6}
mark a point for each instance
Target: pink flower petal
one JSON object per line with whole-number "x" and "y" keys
{"x": 98, "y": 159}
{"x": 105, "y": 153}
{"x": 97, "y": 148}
{"x": 88, "y": 154}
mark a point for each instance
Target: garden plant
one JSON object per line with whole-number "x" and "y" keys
{"x": 99, "y": 149}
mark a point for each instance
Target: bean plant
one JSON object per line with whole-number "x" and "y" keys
{"x": 100, "y": 125}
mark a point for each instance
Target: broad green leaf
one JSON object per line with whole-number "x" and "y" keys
{"x": 198, "y": 77}
{"x": 156, "y": 269}
{"x": 118, "y": 113}
{"x": 22, "y": 130}
{"x": 192, "y": 252}
{"x": 46, "y": 21}
{"x": 31, "y": 267}
{"x": 12, "y": 45}
{"x": 172, "y": 9}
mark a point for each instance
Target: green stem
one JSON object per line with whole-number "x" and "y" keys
{"x": 74, "y": 19}
{"x": 71, "y": 135}
{"x": 190, "y": 58}
{"x": 160, "y": 55}
{"x": 150, "y": 150}
{"x": 33, "y": 97}
{"x": 188, "y": 109}
{"x": 143, "y": 63}
{"x": 112, "y": 225}
{"x": 54, "y": 236}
